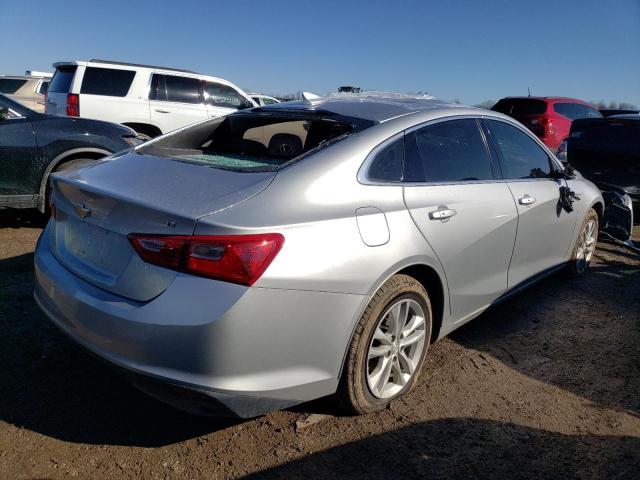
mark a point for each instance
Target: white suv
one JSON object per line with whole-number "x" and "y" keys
{"x": 151, "y": 100}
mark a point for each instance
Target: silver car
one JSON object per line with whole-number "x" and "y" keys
{"x": 210, "y": 267}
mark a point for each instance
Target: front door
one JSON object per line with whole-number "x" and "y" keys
{"x": 465, "y": 213}
{"x": 545, "y": 229}
{"x": 18, "y": 155}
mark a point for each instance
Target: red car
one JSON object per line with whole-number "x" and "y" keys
{"x": 549, "y": 118}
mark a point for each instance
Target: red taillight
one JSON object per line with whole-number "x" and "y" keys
{"x": 233, "y": 258}
{"x": 73, "y": 105}
{"x": 547, "y": 125}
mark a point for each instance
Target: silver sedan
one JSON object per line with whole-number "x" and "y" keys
{"x": 307, "y": 248}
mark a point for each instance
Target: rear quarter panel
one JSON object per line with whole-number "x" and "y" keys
{"x": 313, "y": 204}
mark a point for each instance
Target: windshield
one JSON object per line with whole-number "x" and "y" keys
{"x": 254, "y": 141}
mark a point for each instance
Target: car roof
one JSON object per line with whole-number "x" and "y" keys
{"x": 373, "y": 106}
{"x": 626, "y": 116}
{"x": 159, "y": 70}
{"x": 550, "y": 99}
{"x": 24, "y": 77}
{"x": 111, "y": 62}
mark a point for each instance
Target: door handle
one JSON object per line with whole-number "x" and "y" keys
{"x": 442, "y": 214}
{"x": 526, "y": 200}
{"x": 159, "y": 110}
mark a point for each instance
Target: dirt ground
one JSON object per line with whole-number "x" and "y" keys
{"x": 546, "y": 385}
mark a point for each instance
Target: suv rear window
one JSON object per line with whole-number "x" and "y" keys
{"x": 10, "y": 85}
{"x": 249, "y": 142}
{"x": 107, "y": 81}
{"x": 61, "y": 81}
{"x": 520, "y": 106}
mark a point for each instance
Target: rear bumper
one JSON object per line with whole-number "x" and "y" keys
{"x": 253, "y": 349}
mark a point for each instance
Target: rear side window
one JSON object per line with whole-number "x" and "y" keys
{"x": 575, "y": 111}
{"x": 268, "y": 101}
{"x": 43, "y": 88}
{"x": 172, "y": 88}
{"x": 10, "y": 85}
{"x": 448, "y": 151}
{"x": 61, "y": 81}
{"x": 521, "y": 156}
{"x": 520, "y": 106}
{"x": 218, "y": 95}
{"x": 106, "y": 81}
{"x": 387, "y": 164}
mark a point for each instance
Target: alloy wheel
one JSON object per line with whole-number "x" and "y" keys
{"x": 396, "y": 348}
{"x": 586, "y": 245}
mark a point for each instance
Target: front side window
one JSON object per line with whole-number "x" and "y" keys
{"x": 521, "y": 156}
{"x": 172, "y": 88}
{"x": 575, "y": 111}
{"x": 107, "y": 81}
{"x": 43, "y": 88}
{"x": 387, "y": 164}
{"x": 449, "y": 151}
{"x": 218, "y": 95}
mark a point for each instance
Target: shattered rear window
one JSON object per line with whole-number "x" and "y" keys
{"x": 254, "y": 141}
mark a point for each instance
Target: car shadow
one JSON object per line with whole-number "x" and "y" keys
{"x": 463, "y": 448}
{"x": 49, "y": 385}
{"x": 558, "y": 322}
{"x": 10, "y": 218}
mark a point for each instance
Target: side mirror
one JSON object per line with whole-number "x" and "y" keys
{"x": 4, "y": 113}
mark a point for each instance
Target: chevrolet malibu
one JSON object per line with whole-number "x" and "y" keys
{"x": 221, "y": 275}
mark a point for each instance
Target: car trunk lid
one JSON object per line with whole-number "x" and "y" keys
{"x": 96, "y": 208}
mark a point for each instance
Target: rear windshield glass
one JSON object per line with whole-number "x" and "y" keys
{"x": 107, "y": 81}
{"x": 61, "y": 81}
{"x": 520, "y": 106}
{"x": 10, "y": 85}
{"x": 251, "y": 142}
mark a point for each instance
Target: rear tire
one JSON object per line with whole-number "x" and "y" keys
{"x": 585, "y": 245}
{"x": 70, "y": 165}
{"x": 362, "y": 388}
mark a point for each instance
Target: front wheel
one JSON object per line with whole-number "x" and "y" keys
{"x": 388, "y": 347}
{"x": 585, "y": 245}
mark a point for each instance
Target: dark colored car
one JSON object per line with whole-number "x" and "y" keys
{"x": 549, "y": 118}
{"x": 607, "y": 152}
{"x": 32, "y": 145}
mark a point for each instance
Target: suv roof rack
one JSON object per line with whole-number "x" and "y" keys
{"x": 97, "y": 60}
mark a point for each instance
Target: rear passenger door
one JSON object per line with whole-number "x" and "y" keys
{"x": 465, "y": 212}
{"x": 545, "y": 230}
{"x": 175, "y": 101}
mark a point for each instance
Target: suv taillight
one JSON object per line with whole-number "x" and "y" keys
{"x": 73, "y": 105}
{"x": 232, "y": 258}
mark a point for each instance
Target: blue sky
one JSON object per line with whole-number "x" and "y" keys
{"x": 470, "y": 50}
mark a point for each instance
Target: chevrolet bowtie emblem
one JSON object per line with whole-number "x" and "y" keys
{"x": 82, "y": 211}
